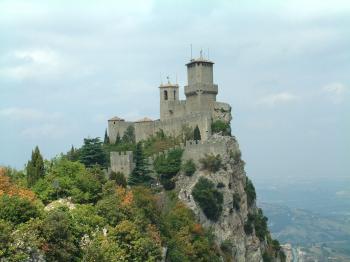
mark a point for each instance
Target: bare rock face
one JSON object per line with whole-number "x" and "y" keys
{"x": 230, "y": 225}
{"x": 222, "y": 111}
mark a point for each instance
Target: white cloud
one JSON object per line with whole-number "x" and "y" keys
{"x": 50, "y": 130}
{"x": 336, "y": 92}
{"x": 278, "y": 98}
{"x": 30, "y": 114}
{"x": 35, "y": 63}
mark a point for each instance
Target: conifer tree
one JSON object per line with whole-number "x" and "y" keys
{"x": 92, "y": 153}
{"x": 140, "y": 174}
{"x": 35, "y": 167}
{"x": 129, "y": 135}
{"x": 196, "y": 134}
{"x": 106, "y": 138}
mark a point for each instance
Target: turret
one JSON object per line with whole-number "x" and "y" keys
{"x": 201, "y": 90}
{"x": 169, "y": 95}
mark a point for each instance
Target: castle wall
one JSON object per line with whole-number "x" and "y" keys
{"x": 174, "y": 127}
{"x": 122, "y": 162}
{"x": 196, "y": 150}
{"x": 115, "y": 127}
{"x": 143, "y": 130}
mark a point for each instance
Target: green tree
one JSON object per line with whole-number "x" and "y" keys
{"x": 59, "y": 232}
{"x": 92, "y": 153}
{"x": 17, "y": 210}
{"x": 106, "y": 138}
{"x": 35, "y": 167}
{"x": 197, "y": 133}
{"x": 73, "y": 154}
{"x": 140, "y": 174}
{"x": 129, "y": 135}
{"x": 119, "y": 178}
{"x": 5, "y": 238}
{"x": 209, "y": 198}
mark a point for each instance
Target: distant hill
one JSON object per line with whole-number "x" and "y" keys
{"x": 316, "y": 233}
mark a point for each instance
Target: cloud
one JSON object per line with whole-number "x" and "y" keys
{"x": 50, "y": 130}
{"x": 272, "y": 100}
{"x": 336, "y": 92}
{"x": 35, "y": 63}
{"x": 30, "y": 114}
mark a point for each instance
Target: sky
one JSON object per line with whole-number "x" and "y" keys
{"x": 66, "y": 67}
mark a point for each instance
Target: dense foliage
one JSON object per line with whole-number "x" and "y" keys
{"x": 211, "y": 162}
{"x": 189, "y": 167}
{"x": 250, "y": 191}
{"x": 208, "y": 198}
{"x": 140, "y": 174}
{"x": 92, "y": 153}
{"x": 111, "y": 224}
{"x": 167, "y": 166}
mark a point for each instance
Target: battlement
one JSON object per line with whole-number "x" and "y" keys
{"x": 122, "y": 162}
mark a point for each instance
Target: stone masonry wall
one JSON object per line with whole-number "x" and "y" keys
{"x": 122, "y": 162}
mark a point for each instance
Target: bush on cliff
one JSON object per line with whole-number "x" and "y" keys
{"x": 189, "y": 167}
{"x": 208, "y": 198}
{"x": 211, "y": 162}
{"x": 250, "y": 191}
{"x": 221, "y": 126}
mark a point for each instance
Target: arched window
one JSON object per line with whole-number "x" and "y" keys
{"x": 174, "y": 94}
{"x": 165, "y": 95}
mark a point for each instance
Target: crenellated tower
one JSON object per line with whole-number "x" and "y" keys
{"x": 200, "y": 91}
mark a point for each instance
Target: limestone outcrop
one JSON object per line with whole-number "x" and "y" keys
{"x": 232, "y": 179}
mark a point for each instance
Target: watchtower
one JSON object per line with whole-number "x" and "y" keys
{"x": 200, "y": 91}
{"x": 169, "y": 95}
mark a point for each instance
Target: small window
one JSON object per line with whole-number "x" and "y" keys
{"x": 165, "y": 95}
{"x": 174, "y": 94}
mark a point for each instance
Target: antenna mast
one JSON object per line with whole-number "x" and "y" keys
{"x": 191, "y": 51}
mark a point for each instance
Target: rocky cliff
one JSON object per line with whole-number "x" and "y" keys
{"x": 240, "y": 219}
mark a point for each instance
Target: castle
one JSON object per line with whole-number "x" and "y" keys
{"x": 200, "y": 109}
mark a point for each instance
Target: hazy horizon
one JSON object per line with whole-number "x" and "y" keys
{"x": 67, "y": 67}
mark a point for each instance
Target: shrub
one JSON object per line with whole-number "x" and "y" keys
{"x": 266, "y": 257}
{"x": 119, "y": 178}
{"x": 250, "y": 191}
{"x": 237, "y": 155}
{"x": 248, "y": 225}
{"x": 221, "y": 126}
{"x": 209, "y": 199}
{"x": 17, "y": 210}
{"x": 167, "y": 166}
{"x": 211, "y": 162}
{"x": 226, "y": 246}
{"x": 189, "y": 167}
{"x": 236, "y": 199}
{"x": 259, "y": 222}
{"x": 220, "y": 185}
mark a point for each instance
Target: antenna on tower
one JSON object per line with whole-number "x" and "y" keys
{"x": 176, "y": 78}
{"x": 208, "y": 53}
{"x": 191, "y": 51}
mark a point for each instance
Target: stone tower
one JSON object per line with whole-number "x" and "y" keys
{"x": 201, "y": 91}
{"x": 169, "y": 96}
